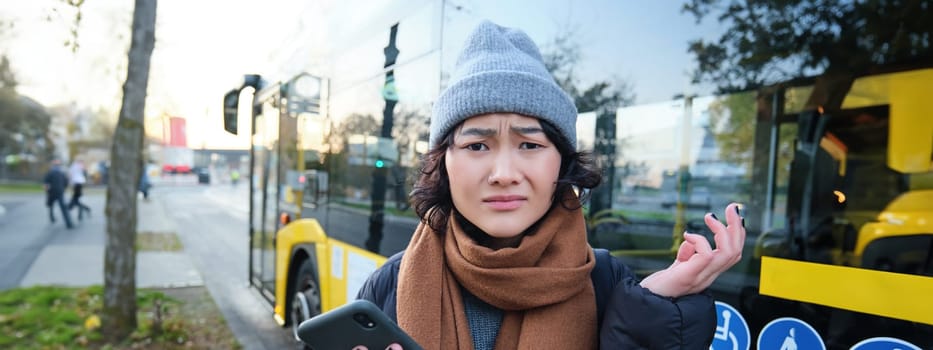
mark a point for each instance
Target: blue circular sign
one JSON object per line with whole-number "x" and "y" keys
{"x": 731, "y": 329}
{"x": 789, "y": 333}
{"x": 884, "y": 343}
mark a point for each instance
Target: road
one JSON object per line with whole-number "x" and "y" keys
{"x": 211, "y": 222}
{"x": 24, "y": 231}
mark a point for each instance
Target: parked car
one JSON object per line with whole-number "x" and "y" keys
{"x": 204, "y": 175}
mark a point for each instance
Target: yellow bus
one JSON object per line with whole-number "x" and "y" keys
{"x": 293, "y": 263}
{"x": 847, "y": 257}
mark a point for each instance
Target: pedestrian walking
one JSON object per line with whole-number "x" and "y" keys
{"x": 56, "y": 181}
{"x": 234, "y": 177}
{"x": 144, "y": 183}
{"x": 77, "y": 176}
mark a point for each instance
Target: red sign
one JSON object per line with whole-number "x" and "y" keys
{"x": 178, "y": 136}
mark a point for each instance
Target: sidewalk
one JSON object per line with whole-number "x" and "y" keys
{"x": 76, "y": 257}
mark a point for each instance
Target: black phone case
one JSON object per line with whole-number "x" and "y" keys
{"x": 359, "y": 322}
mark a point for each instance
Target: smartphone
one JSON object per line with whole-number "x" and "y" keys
{"x": 359, "y": 322}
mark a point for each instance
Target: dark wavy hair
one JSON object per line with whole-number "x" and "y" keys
{"x": 432, "y": 201}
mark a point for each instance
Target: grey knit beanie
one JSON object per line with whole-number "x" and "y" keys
{"x": 500, "y": 70}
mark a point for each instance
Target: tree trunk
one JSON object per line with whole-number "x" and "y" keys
{"x": 119, "y": 314}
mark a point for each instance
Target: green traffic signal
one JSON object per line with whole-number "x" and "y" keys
{"x": 380, "y": 163}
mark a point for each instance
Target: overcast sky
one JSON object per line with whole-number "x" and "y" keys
{"x": 201, "y": 52}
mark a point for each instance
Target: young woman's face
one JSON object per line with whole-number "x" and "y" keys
{"x": 503, "y": 171}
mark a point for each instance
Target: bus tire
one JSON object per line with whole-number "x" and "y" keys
{"x": 305, "y": 299}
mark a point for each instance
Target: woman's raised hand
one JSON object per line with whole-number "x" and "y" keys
{"x": 697, "y": 264}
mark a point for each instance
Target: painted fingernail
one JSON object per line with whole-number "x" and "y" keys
{"x": 737, "y": 210}
{"x": 743, "y": 222}
{"x": 714, "y": 216}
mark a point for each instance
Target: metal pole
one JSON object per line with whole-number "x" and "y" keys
{"x": 377, "y": 214}
{"x": 777, "y": 108}
{"x": 683, "y": 174}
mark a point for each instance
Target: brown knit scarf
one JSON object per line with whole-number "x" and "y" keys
{"x": 543, "y": 286}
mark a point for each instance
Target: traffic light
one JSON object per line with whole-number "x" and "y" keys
{"x": 380, "y": 163}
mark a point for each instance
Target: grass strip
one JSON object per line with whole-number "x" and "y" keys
{"x": 51, "y": 317}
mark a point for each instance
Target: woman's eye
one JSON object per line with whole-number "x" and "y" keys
{"x": 476, "y": 147}
{"x": 529, "y": 145}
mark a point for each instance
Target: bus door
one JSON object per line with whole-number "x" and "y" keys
{"x": 264, "y": 193}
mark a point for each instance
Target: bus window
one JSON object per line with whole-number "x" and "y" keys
{"x": 289, "y": 173}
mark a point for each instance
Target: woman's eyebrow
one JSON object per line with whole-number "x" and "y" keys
{"x": 477, "y": 132}
{"x": 522, "y": 130}
{"x": 526, "y": 130}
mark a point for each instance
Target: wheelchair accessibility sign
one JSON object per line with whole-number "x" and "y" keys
{"x": 789, "y": 333}
{"x": 884, "y": 343}
{"x": 731, "y": 329}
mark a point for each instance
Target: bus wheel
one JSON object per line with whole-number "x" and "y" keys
{"x": 306, "y": 298}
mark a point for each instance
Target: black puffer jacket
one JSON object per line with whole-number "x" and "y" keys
{"x": 629, "y": 316}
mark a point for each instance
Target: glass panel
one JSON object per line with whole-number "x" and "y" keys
{"x": 353, "y": 142}
{"x": 795, "y": 99}
{"x": 865, "y": 191}
{"x": 259, "y": 174}
{"x": 669, "y": 176}
{"x": 273, "y": 194}
{"x": 315, "y": 143}
{"x": 785, "y": 155}
{"x": 289, "y": 177}
{"x": 651, "y": 152}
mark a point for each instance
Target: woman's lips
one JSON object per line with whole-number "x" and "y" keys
{"x": 504, "y": 202}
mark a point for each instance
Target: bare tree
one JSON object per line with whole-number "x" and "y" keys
{"x": 603, "y": 97}
{"x": 72, "y": 42}
{"x": 119, "y": 314}
{"x": 561, "y": 57}
{"x": 11, "y": 111}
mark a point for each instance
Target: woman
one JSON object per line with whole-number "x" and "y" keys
{"x": 500, "y": 259}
